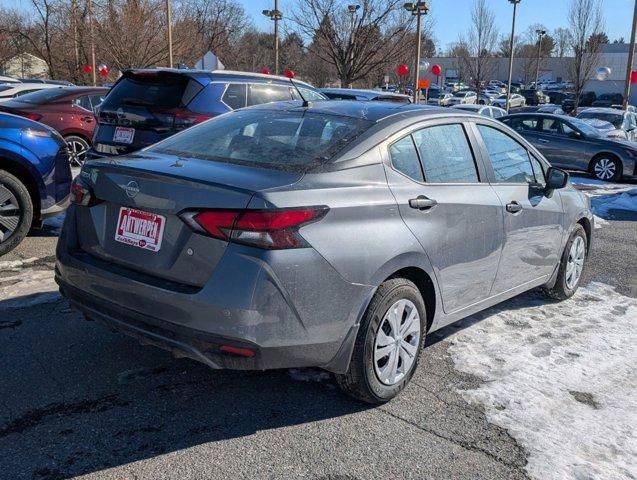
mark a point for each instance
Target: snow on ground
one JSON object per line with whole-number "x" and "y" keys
{"x": 603, "y": 205}
{"x": 24, "y": 283}
{"x": 561, "y": 378}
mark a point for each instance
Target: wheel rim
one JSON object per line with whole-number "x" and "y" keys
{"x": 77, "y": 151}
{"x": 605, "y": 168}
{"x": 575, "y": 263}
{"x": 10, "y": 213}
{"x": 397, "y": 341}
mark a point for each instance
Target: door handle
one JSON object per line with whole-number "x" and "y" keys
{"x": 541, "y": 140}
{"x": 422, "y": 203}
{"x": 87, "y": 119}
{"x": 514, "y": 207}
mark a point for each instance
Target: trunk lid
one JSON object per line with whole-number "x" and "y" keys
{"x": 166, "y": 185}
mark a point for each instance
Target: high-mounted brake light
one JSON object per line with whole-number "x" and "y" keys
{"x": 270, "y": 229}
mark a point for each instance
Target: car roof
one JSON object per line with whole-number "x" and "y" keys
{"x": 469, "y": 107}
{"x": 363, "y": 92}
{"x": 603, "y": 110}
{"x": 222, "y": 74}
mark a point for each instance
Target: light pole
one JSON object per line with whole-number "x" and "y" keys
{"x": 540, "y": 34}
{"x": 631, "y": 53}
{"x": 418, "y": 9}
{"x": 169, "y": 21}
{"x": 352, "y": 9}
{"x": 515, "y": 6}
{"x": 275, "y": 15}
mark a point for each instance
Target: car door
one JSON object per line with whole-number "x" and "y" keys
{"x": 532, "y": 217}
{"x": 562, "y": 144}
{"x": 445, "y": 200}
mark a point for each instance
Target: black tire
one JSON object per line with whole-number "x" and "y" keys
{"x": 561, "y": 290}
{"x": 603, "y": 165}
{"x": 17, "y": 215}
{"x": 78, "y": 147}
{"x": 361, "y": 381}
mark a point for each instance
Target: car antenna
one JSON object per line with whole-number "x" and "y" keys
{"x": 306, "y": 103}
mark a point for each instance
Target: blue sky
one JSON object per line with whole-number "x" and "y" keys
{"x": 451, "y": 17}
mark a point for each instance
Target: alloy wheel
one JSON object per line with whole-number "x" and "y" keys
{"x": 10, "y": 213}
{"x": 575, "y": 263}
{"x": 397, "y": 341}
{"x": 77, "y": 151}
{"x": 605, "y": 168}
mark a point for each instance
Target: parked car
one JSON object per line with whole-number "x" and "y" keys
{"x": 439, "y": 98}
{"x": 364, "y": 95}
{"x": 486, "y": 97}
{"x": 497, "y": 85}
{"x": 69, "y": 110}
{"x": 586, "y": 100}
{"x": 13, "y": 90}
{"x": 515, "y": 101}
{"x": 335, "y": 236}
{"x": 146, "y": 106}
{"x": 63, "y": 83}
{"x": 5, "y": 79}
{"x": 35, "y": 177}
{"x": 571, "y": 143}
{"x": 534, "y": 97}
{"x": 624, "y": 123}
{"x": 463, "y": 97}
{"x": 486, "y": 110}
{"x": 608, "y": 100}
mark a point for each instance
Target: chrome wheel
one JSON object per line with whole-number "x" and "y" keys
{"x": 10, "y": 213}
{"x": 77, "y": 150}
{"x": 397, "y": 340}
{"x": 605, "y": 168}
{"x": 575, "y": 263}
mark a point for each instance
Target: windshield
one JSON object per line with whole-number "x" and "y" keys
{"x": 613, "y": 118}
{"x": 584, "y": 127}
{"x": 461, "y": 94}
{"x": 44, "y": 96}
{"x": 277, "y": 139}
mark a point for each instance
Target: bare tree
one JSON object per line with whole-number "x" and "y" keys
{"x": 585, "y": 23}
{"x": 477, "y": 53}
{"x": 377, "y": 35}
{"x": 562, "y": 42}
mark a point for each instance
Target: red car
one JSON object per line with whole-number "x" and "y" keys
{"x": 69, "y": 110}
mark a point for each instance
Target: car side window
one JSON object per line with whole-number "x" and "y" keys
{"x": 266, "y": 93}
{"x": 84, "y": 101}
{"x": 445, "y": 154}
{"x": 96, "y": 100}
{"x": 538, "y": 170}
{"x": 523, "y": 124}
{"x": 510, "y": 160}
{"x": 235, "y": 95}
{"x": 404, "y": 158}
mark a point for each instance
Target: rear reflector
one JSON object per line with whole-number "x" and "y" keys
{"x": 270, "y": 229}
{"x": 242, "y": 352}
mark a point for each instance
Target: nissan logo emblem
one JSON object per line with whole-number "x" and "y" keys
{"x": 131, "y": 189}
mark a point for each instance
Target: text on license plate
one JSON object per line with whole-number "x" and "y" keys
{"x": 123, "y": 135}
{"x": 140, "y": 229}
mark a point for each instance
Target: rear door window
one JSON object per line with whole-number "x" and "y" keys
{"x": 235, "y": 95}
{"x": 522, "y": 124}
{"x": 445, "y": 154}
{"x": 404, "y": 158}
{"x": 84, "y": 101}
{"x": 510, "y": 160}
{"x": 259, "y": 93}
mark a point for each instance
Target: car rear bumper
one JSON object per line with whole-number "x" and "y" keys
{"x": 290, "y": 308}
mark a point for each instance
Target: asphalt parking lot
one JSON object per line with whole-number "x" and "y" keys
{"x": 78, "y": 399}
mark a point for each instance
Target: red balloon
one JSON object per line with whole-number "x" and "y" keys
{"x": 633, "y": 76}
{"x": 87, "y": 68}
{"x": 103, "y": 70}
{"x": 402, "y": 69}
{"x": 436, "y": 70}
{"x": 265, "y": 71}
{"x": 290, "y": 73}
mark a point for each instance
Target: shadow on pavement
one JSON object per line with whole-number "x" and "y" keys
{"x": 77, "y": 398}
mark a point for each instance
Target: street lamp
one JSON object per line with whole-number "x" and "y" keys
{"x": 352, "y": 11}
{"x": 515, "y": 6}
{"x": 540, "y": 34}
{"x": 275, "y": 15}
{"x": 418, "y": 9}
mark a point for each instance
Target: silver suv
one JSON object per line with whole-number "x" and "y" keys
{"x": 334, "y": 235}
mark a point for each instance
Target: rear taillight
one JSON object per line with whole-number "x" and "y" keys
{"x": 188, "y": 119}
{"x": 81, "y": 194}
{"x": 32, "y": 116}
{"x": 269, "y": 229}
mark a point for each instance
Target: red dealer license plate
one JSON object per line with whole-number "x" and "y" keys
{"x": 140, "y": 229}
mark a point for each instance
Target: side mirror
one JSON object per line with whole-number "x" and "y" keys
{"x": 575, "y": 134}
{"x": 556, "y": 178}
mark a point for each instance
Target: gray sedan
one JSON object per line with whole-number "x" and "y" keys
{"x": 364, "y": 95}
{"x": 334, "y": 235}
{"x": 572, "y": 143}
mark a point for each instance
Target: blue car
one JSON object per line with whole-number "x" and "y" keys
{"x": 35, "y": 177}
{"x": 148, "y": 105}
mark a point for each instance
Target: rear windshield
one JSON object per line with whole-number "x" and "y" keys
{"x": 44, "y": 96}
{"x": 6, "y": 87}
{"x": 615, "y": 119}
{"x": 276, "y": 139}
{"x": 152, "y": 89}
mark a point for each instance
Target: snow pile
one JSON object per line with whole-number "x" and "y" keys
{"x": 561, "y": 378}
{"x": 23, "y": 287}
{"x": 626, "y": 201}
